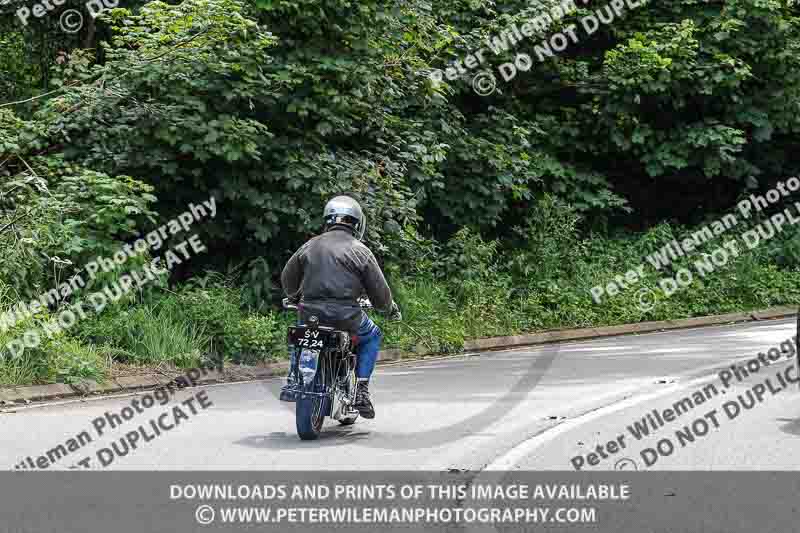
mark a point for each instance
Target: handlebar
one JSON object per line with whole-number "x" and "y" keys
{"x": 364, "y": 303}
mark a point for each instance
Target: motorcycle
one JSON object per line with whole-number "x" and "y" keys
{"x": 324, "y": 375}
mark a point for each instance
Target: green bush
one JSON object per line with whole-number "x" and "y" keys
{"x": 199, "y": 321}
{"x": 258, "y": 338}
{"x": 467, "y": 288}
{"x": 56, "y": 216}
{"x": 159, "y": 334}
{"x": 545, "y": 282}
{"x": 546, "y": 244}
{"x": 21, "y": 371}
{"x": 219, "y": 309}
{"x": 71, "y": 361}
{"x": 147, "y": 334}
{"x": 431, "y": 318}
{"x": 57, "y": 358}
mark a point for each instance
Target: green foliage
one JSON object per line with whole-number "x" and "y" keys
{"x": 258, "y": 288}
{"x": 55, "y": 216}
{"x": 258, "y": 338}
{"x": 57, "y": 358}
{"x": 492, "y": 214}
{"x": 554, "y": 292}
{"x": 276, "y": 106}
{"x": 239, "y": 336}
{"x": 201, "y": 321}
{"x": 546, "y": 242}
{"x": 468, "y": 257}
{"x": 431, "y": 318}
{"x": 783, "y": 249}
{"x": 159, "y": 334}
{"x": 72, "y": 362}
{"x": 22, "y": 371}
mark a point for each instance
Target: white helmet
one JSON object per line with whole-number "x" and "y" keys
{"x": 344, "y": 211}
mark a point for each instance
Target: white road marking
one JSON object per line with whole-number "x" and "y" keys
{"x": 525, "y": 448}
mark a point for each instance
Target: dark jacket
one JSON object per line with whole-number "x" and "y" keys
{"x": 329, "y": 273}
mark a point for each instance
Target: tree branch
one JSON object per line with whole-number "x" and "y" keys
{"x": 32, "y": 98}
{"x": 4, "y": 228}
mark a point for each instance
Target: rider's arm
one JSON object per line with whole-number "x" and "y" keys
{"x": 292, "y": 275}
{"x": 374, "y": 283}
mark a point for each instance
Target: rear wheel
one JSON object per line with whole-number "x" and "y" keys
{"x": 310, "y": 411}
{"x": 309, "y": 417}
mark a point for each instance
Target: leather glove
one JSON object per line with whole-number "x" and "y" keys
{"x": 395, "y": 313}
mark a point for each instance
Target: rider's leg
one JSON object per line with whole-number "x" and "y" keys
{"x": 287, "y": 394}
{"x": 369, "y": 342}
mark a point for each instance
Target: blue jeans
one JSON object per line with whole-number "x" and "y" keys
{"x": 369, "y": 342}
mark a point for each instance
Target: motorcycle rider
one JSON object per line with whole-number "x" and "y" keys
{"x": 327, "y": 276}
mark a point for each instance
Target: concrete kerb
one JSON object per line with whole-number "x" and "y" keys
{"x": 137, "y": 382}
{"x": 497, "y": 343}
{"x": 125, "y": 383}
{"x": 88, "y": 386}
{"x": 37, "y": 392}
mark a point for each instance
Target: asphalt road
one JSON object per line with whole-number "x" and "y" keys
{"x": 541, "y": 408}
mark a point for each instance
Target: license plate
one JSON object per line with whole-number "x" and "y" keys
{"x": 313, "y": 339}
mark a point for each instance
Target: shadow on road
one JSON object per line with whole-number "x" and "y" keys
{"x": 793, "y": 426}
{"x": 282, "y": 440}
{"x": 530, "y": 372}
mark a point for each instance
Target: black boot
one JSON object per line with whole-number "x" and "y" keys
{"x": 363, "y": 404}
{"x": 288, "y": 393}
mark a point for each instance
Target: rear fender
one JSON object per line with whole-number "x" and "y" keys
{"x": 308, "y": 366}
